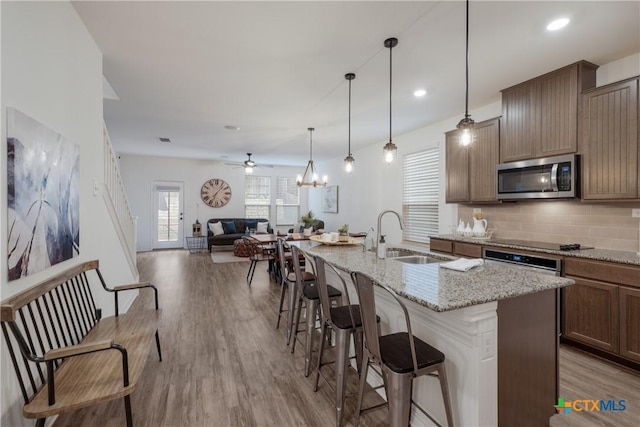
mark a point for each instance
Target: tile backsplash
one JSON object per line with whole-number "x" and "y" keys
{"x": 603, "y": 226}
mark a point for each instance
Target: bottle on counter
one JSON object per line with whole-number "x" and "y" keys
{"x": 382, "y": 250}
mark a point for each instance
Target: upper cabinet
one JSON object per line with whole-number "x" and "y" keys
{"x": 471, "y": 171}
{"x": 609, "y": 142}
{"x": 540, "y": 116}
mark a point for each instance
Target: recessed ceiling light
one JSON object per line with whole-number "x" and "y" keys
{"x": 231, "y": 127}
{"x": 558, "y": 24}
{"x": 419, "y": 93}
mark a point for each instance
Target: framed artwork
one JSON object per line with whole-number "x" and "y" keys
{"x": 43, "y": 177}
{"x": 330, "y": 199}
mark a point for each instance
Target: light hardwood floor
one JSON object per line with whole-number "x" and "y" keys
{"x": 225, "y": 364}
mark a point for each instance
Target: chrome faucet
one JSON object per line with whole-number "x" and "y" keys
{"x": 379, "y": 231}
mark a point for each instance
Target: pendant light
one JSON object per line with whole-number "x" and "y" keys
{"x": 390, "y": 149}
{"x": 310, "y": 177}
{"x": 349, "y": 160}
{"x": 466, "y": 125}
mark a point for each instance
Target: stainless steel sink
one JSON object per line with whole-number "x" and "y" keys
{"x": 395, "y": 253}
{"x": 417, "y": 259}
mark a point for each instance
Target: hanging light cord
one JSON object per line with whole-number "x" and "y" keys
{"x": 390, "y": 82}
{"x": 349, "y": 117}
{"x": 466, "y": 100}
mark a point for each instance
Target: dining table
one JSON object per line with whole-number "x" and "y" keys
{"x": 272, "y": 238}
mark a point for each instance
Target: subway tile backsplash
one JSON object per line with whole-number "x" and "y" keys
{"x": 599, "y": 225}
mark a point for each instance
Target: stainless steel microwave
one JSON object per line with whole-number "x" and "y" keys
{"x": 546, "y": 178}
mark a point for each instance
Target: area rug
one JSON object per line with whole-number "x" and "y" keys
{"x": 226, "y": 256}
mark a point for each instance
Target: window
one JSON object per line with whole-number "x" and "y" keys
{"x": 257, "y": 196}
{"x": 420, "y": 195}
{"x": 287, "y": 201}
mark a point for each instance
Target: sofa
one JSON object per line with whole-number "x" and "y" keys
{"x": 227, "y": 239}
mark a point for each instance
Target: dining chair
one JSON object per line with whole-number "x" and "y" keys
{"x": 307, "y": 295}
{"x": 400, "y": 355}
{"x": 256, "y": 254}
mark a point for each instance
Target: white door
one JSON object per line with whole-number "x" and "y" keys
{"x": 168, "y": 230}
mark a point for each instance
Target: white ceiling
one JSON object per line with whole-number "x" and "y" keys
{"x": 184, "y": 70}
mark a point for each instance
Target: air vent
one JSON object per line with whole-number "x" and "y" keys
{"x": 165, "y": 139}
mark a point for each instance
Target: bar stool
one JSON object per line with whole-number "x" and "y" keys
{"x": 345, "y": 321}
{"x": 288, "y": 283}
{"x": 309, "y": 296}
{"x": 401, "y": 356}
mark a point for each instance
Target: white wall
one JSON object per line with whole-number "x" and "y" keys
{"x": 139, "y": 174}
{"x": 52, "y": 71}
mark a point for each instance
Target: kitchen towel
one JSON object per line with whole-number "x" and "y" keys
{"x": 462, "y": 264}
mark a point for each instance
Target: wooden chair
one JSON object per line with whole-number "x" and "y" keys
{"x": 401, "y": 356}
{"x": 256, "y": 255}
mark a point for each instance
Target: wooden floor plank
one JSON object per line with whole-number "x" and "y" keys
{"x": 224, "y": 363}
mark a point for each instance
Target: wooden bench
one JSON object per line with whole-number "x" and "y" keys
{"x": 65, "y": 355}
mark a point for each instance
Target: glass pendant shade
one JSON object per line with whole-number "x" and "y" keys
{"x": 389, "y": 152}
{"x": 310, "y": 177}
{"x": 467, "y": 134}
{"x": 349, "y": 163}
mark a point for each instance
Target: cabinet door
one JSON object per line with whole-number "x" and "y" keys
{"x": 630, "y": 323}
{"x": 519, "y": 122}
{"x": 558, "y": 113}
{"x": 590, "y": 311}
{"x": 484, "y": 155}
{"x": 457, "y": 165}
{"x": 609, "y": 141}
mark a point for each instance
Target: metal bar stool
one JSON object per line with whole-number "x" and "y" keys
{"x": 345, "y": 321}
{"x": 401, "y": 356}
{"x": 307, "y": 295}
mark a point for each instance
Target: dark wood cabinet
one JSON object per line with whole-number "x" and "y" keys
{"x": 591, "y": 313}
{"x": 471, "y": 171}
{"x": 602, "y": 310}
{"x": 441, "y": 245}
{"x": 540, "y": 116}
{"x": 630, "y": 323}
{"x": 609, "y": 142}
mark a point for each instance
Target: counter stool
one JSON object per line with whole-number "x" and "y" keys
{"x": 307, "y": 295}
{"x": 345, "y": 321}
{"x": 401, "y": 356}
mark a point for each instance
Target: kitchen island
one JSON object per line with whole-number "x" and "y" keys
{"x": 491, "y": 319}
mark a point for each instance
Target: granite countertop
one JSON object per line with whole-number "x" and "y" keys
{"x": 436, "y": 288}
{"x": 609, "y": 255}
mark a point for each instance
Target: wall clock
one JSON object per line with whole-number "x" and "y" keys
{"x": 215, "y": 192}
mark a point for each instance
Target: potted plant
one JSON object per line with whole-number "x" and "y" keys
{"x": 344, "y": 233}
{"x": 308, "y": 220}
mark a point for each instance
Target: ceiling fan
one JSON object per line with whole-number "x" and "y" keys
{"x": 249, "y": 165}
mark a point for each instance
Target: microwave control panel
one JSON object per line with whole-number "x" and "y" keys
{"x": 564, "y": 176}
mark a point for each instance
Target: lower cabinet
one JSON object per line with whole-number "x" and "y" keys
{"x": 602, "y": 309}
{"x": 630, "y": 323}
{"x": 591, "y": 313}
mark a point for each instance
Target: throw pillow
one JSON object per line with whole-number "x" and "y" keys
{"x": 229, "y": 227}
{"x": 263, "y": 228}
{"x": 251, "y": 225}
{"x": 216, "y": 228}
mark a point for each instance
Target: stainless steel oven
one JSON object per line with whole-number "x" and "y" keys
{"x": 546, "y": 178}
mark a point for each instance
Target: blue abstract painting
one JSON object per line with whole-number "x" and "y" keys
{"x": 43, "y": 177}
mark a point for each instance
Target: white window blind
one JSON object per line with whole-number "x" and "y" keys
{"x": 287, "y": 201}
{"x": 257, "y": 196}
{"x": 420, "y": 195}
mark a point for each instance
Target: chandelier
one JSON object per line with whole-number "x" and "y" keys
{"x": 310, "y": 177}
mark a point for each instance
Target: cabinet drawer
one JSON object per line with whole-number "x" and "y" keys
{"x": 467, "y": 249}
{"x": 605, "y": 271}
{"x": 441, "y": 245}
